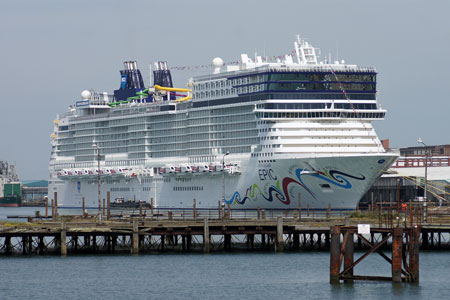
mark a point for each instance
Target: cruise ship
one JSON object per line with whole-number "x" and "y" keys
{"x": 261, "y": 133}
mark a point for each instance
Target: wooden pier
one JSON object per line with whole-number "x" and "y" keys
{"x": 155, "y": 233}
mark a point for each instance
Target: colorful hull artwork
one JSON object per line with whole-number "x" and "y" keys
{"x": 281, "y": 193}
{"x": 273, "y": 184}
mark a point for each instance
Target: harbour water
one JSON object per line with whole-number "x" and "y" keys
{"x": 214, "y": 276}
{"x": 236, "y": 275}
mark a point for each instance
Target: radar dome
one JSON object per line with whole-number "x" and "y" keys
{"x": 217, "y": 62}
{"x": 85, "y": 95}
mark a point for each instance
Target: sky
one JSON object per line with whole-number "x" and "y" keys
{"x": 52, "y": 50}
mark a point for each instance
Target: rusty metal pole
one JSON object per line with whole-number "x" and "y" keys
{"x": 348, "y": 255}
{"x": 397, "y": 245}
{"x": 414, "y": 254}
{"x": 335, "y": 252}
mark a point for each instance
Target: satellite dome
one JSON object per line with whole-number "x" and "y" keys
{"x": 85, "y": 95}
{"x": 217, "y": 62}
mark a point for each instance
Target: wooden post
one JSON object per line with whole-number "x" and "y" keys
{"x": 397, "y": 245}
{"x": 263, "y": 214}
{"x": 414, "y": 254}
{"x": 140, "y": 208}
{"x": 219, "y": 210}
{"x": 152, "y": 205}
{"x": 307, "y": 210}
{"x": 63, "y": 238}
{"x": 299, "y": 205}
{"x": 135, "y": 238}
{"x": 104, "y": 207}
{"x": 335, "y": 252}
{"x": 229, "y": 211}
{"x": 53, "y": 211}
{"x": 108, "y": 197}
{"x": 46, "y": 207}
{"x": 206, "y": 242}
{"x": 329, "y": 211}
{"x": 258, "y": 212}
{"x": 56, "y": 204}
{"x": 279, "y": 242}
{"x": 83, "y": 207}
{"x": 348, "y": 255}
{"x": 195, "y": 209}
{"x": 170, "y": 214}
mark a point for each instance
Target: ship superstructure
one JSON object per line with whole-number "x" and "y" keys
{"x": 10, "y": 185}
{"x": 257, "y": 134}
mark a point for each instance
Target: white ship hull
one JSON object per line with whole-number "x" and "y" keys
{"x": 338, "y": 182}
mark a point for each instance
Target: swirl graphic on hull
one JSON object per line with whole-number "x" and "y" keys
{"x": 334, "y": 177}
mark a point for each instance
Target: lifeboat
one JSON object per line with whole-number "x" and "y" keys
{"x": 203, "y": 168}
{"x": 186, "y": 169}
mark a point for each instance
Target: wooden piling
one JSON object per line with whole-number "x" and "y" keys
{"x": 83, "y": 207}
{"x": 279, "y": 241}
{"x": 307, "y": 210}
{"x": 152, "y": 205}
{"x": 219, "y": 209}
{"x": 108, "y": 197}
{"x": 206, "y": 242}
{"x": 299, "y": 205}
{"x": 228, "y": 211}
{"x": 46, "y": 207}
{"x": 335, "y": 252}
{"x": 104, "y": 207}
{"x": 56, "y": 204}
{"x": 53, "y": 210}
{"x": 135, "y": 237}
{"x": 195, "y": 209}
{"x": 140, "y": 208}
{"x": 397, "y": 245}
{"x": 63, "y": 237}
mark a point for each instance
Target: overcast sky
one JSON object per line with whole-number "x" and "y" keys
{"x": 52, "y": 50}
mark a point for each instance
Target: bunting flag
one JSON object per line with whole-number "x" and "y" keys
{"x": 273, "y": 58}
